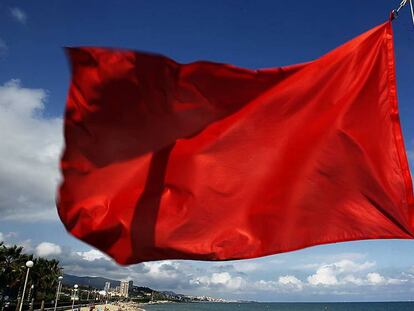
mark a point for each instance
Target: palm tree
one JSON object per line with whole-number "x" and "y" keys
{"x": 43, "y": 275}
{"x": 12, "y": 268}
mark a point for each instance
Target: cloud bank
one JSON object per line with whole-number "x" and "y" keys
{"x": 334, "y": 278}
{"x": 30, "y": 150}
{"x": 47, "y": 249}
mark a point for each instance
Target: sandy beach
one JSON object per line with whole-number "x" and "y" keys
{"x": 121, "y": 306}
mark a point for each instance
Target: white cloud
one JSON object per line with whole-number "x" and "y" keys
{"x": 341, "y": 259}
{"x": 264, "y": 285}
{"x": 393, "y": 281}
{"x": 166, "y": 269}
{"x": 29, "y": 151}
{"x": 347, "y": 272}
{"x": 27, "y": 246}
{"x": 375, "y": 278}
{"x": 325, "y": 275}
{"x": 328, "y": 274}
{"x": 347, "y": 265}
{"x": 162, "y": 275}
{"x": 19, "y": 15}
{"x": 7, "y": 237}
{"x": 290, "y": 280}
{"x": 284, "y": 284}
{"x": 222, "y": 280}
{"x": 92, "y": 255}
{"x": 351, "y": 279}
{"x": 46, "y": 249}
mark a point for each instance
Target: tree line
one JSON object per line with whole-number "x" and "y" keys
{"x": 43, "y": 277}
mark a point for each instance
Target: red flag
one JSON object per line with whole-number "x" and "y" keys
{"x": 213, "y": 162}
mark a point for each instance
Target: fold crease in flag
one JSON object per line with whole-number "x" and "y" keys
{"x": 208, "y": 161}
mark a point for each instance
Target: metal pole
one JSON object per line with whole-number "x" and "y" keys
{"x": 74, "y": 294}
{"x": 60, "y": 290}
{"x": 24, "y": 289}
{"x": 73, "y": 299}
{"x": 57, "y": 294}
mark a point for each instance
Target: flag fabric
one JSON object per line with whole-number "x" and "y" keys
{"x": 208, "y": 161}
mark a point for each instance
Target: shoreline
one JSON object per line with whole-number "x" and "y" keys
{"x": 120, "y": 306}
{"x": 133, "y": 306}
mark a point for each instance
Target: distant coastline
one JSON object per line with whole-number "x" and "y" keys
{"x": 280, "y": 306}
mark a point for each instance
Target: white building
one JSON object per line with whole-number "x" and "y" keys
{"x": 107, "y": 286}
{"x": 123, "y": 289}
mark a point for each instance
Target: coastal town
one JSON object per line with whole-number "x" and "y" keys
{"x": 98, "y": 288}
{"x": 35, "y": 283}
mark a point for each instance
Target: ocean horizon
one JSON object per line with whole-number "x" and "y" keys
{"x": 283, "y": 306}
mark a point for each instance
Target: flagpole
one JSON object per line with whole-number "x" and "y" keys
{"x": 412, "y": 10}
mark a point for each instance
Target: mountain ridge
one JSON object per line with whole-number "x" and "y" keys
{"x": 135, "y": 292}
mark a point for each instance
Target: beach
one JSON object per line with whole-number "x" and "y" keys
{"x": 119, "y": 306}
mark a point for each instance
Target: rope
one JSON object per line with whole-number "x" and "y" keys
{"x": 402, "y": 4}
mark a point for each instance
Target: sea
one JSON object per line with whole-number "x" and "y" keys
{"x": 348, "y": 306}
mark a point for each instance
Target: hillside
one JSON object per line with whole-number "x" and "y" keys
{"x": 136, "y": 292}
{"x": 88, "y": 281}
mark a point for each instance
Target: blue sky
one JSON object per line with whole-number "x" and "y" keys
{"x": 34, "y": 77}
